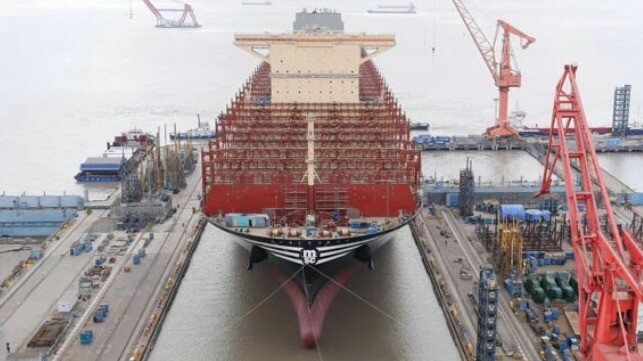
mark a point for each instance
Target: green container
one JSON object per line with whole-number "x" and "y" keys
{"x": 538, "y": 295}
{"x": 551, "y": 288}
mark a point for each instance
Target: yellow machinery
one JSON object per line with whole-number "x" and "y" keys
{"x": 510, "y": 248}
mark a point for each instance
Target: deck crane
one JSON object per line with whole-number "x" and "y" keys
{"x": 502, "y": 71}
{"x": 608, "y": 259}
{"x": 162, "y": 22}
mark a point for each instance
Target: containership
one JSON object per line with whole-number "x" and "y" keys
{"x": 312, "y": 166}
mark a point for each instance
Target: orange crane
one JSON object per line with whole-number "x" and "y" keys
{"x": 162, "y": 22}
{"x": 608, "y": 259}
{"x": 504, "y": 74}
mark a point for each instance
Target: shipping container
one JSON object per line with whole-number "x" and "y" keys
{"x": 636, "y": 199}
{"x": 247, "y": 220}
{"x": 453, "y": 200}
{"x": 86, "y": 337}
{"x": 614, "y": 142}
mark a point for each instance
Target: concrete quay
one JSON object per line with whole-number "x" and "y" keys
{"x": 132, "y": 295}
{"x": 131, "y": 291}
{"x": 458, "y": 257}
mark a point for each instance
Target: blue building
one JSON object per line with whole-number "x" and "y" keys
{"x": 36, "y": 216}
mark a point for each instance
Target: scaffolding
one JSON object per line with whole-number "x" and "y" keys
{"x": 621, "y": 110}
{"x": 545, "y": 235}
{"x": 131, "y": 187}
{"x": 466, "y": 190}
{"x": 364, "y": 144}
{"x": 487, "y": 315}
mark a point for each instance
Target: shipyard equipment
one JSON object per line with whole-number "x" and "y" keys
{"x": 608, "y": 260}
{"x": 162, "y": 22}
{"x": 466, "y": 190}
{"x": 487, "y": 315}
{"x": 509, "y": 252}
{"x": 621, "y": 110}
{"x": 504, "y": 71}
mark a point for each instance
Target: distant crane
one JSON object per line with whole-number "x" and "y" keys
{"x": 503, "y": 73}
{"x": 162, "y": 22}
{"x": 608, "y": 258}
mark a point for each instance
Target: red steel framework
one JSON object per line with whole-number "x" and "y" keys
{"x": 364, "y": 158}
{"x": 608, "y": 260}
{"x": 505, "y": 74}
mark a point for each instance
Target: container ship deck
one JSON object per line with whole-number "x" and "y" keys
{"x": 312, "y": 166}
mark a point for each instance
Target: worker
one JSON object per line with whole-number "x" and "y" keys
{"x": 8, "y": 348}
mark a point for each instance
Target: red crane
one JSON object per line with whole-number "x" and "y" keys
{"x": 504, "y": 74}
{"x": 608, "y": 259}
{"x": 162, "y": 22}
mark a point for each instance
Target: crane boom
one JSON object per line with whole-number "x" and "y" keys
{"x": 484, "y": 47}
{"x": 162, "y": 22}
{"x": 154, "y": 10}
{"x": 502, "y": 72}
{"x": 608, "y": 260}
{"x": 508, "y": 28}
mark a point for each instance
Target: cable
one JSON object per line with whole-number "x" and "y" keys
{"x": 358, "y": 296}
{"x": 269, "y": 296}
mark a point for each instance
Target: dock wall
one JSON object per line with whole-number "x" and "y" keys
{"x": 463, "y": 345}
{"x": 155, "y": 324}
{"x": 504, "y": 194}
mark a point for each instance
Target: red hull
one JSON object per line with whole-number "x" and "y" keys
{"x": 312, "y": 316}
{"x": 364, "y": 159}
{"x": 371, "y": 199}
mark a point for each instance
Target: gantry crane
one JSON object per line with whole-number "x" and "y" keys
{"x": 162, "y": 22}
{"x": 504, "y": 74}
{"x": 608, "y": 260}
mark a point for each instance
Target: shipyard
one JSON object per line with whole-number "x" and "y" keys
{"x": 266, "y": 180}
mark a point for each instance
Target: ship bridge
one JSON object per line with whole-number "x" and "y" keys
{"x": 315, "y": 65}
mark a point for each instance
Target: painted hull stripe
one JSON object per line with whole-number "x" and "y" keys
{"x": 324, "y": 260}
{"x": 297, "y": 261}
{"x": 327, "y": 254}
{"x": 271, "y": 245}
{"x": 328, "y": 248}
{"x": 285, "y": 253}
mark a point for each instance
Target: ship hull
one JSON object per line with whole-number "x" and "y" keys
{"x": 313, "y": 283}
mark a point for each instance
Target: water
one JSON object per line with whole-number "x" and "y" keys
{"x": 66, "y": 92}
{"x": 625, "y": 167}
{"x": 206, "y": 316}
{"x": 75, "y": 73}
